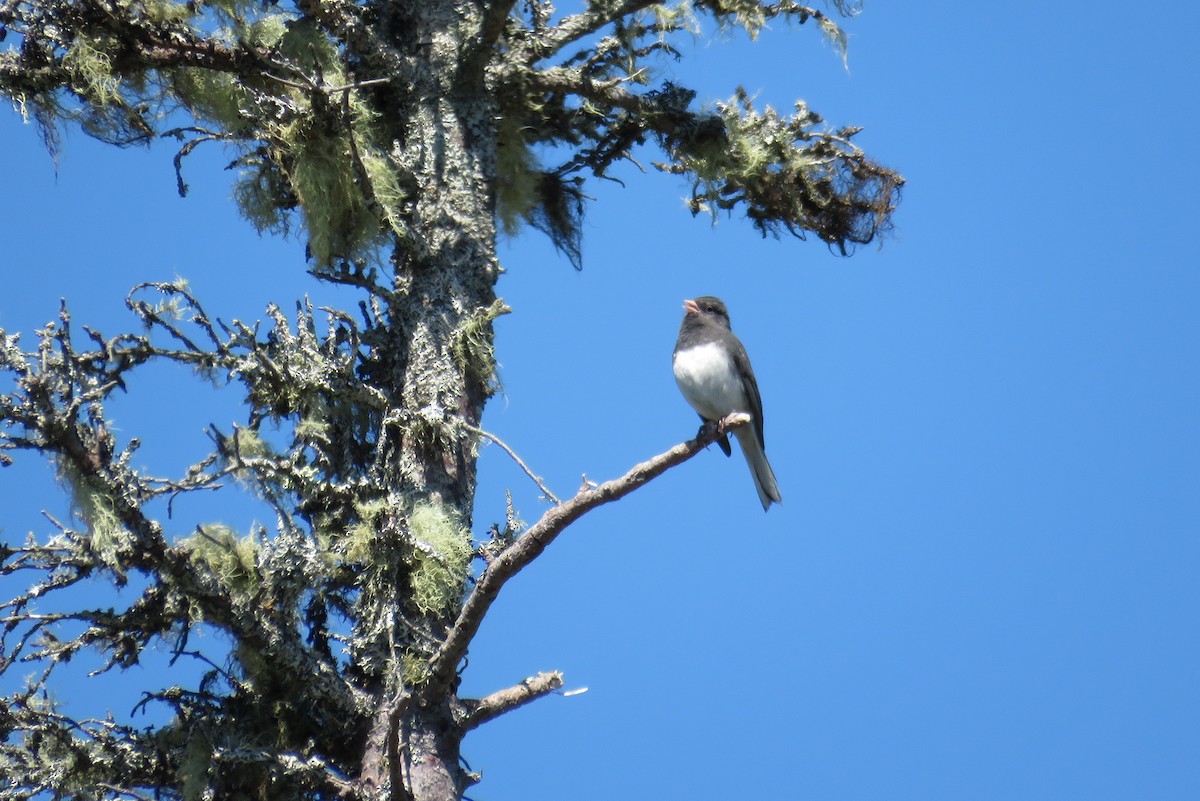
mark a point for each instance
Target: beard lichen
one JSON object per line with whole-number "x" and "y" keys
{"x": 473, "y": 345}
{"x": 232, "y": 560}
{"x": 414, "y": 555}
{"x": 440, "y": 557}
{"x": 108, "y": 538}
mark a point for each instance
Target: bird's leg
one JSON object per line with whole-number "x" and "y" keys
{"x": 707, "y": 428}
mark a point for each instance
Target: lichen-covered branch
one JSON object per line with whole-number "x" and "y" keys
{"x": 789, "y": 174}
{"x": 577, "y": 26}
{"x": 273, "y": 596}
{"x": 309, "y": 104}
{"x": 538, "y": 537}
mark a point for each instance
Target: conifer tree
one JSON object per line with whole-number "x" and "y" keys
{"x": 396, "y": 138}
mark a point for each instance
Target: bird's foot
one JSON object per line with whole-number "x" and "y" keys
{"x": 711, "y": 428}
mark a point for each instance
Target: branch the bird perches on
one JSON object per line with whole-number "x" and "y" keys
{"x": 537, "y": 537}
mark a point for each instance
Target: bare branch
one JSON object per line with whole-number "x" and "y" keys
{"x": 501, "y": 701}
{"x": 531, "y": 544}
{"x": 536, "y": 480}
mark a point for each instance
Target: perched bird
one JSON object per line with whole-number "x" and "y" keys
{"x": 714, "y": 374}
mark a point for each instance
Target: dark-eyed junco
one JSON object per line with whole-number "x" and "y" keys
{"x": 714, "y": 374}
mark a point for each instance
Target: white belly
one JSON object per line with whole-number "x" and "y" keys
{"x": 709, "y": 381}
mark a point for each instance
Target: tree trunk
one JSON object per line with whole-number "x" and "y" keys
{"x": 437, "y": 358}
{"x": 446, "y": 269}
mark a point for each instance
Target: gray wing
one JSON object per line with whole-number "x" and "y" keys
{"x": 741, "y": 360}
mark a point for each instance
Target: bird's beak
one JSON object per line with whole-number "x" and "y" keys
{"x": 690, "y": 307}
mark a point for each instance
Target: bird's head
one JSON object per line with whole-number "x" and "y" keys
{"x": 707, "y": 306}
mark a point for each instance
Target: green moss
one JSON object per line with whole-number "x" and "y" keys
{"x": 836, "y": 37}
{"x": 325, "y": 179}
{"x": 439, "y": 571}
{"x": 259, "y": 195}
{"x": 438, "y": 556}
{"x": 348, "y": 188}
{"x": 109, "y": 537}
{"x": 518, "y": 175}
{"x": 89, "y": 60}
{"x": 305, "y": 44}
{"x": 308, "y": 430}
{"x": 246, "y": 443}
{"x": 414, "y": 668}
{"x": 360, "y": 540}
{"x": 317, "y": 152}
{"x": 232, "y": 559}
{"x": 109, "y": 540}
{"x": 679, "y": 17}
{"x": 166, "y": 11}
{"x": 385, "y": 187}
{"x": 211, "y": 95}
{"x": 235, "y": 10}
{"x": 473, "y": 343}
{"x": 267, "y": 31}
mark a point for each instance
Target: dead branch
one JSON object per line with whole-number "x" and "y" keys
{"x": 520, "y": 463}
{"x": 535, "y": 540}
{"x": 501, "y": 701}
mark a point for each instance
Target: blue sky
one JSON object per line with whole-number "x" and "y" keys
{"x": 982, "y": 583}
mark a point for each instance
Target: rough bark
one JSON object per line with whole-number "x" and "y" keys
{"x": 441, "y": 341}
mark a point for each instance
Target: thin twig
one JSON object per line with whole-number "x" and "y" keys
{"x": 545, "y": 490}
{"x": 357, "y": 85}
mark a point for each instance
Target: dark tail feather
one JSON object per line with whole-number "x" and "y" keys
{"x": 760, "y": 468}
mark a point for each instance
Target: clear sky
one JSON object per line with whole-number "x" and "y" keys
{"x": 982, "y": 583}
